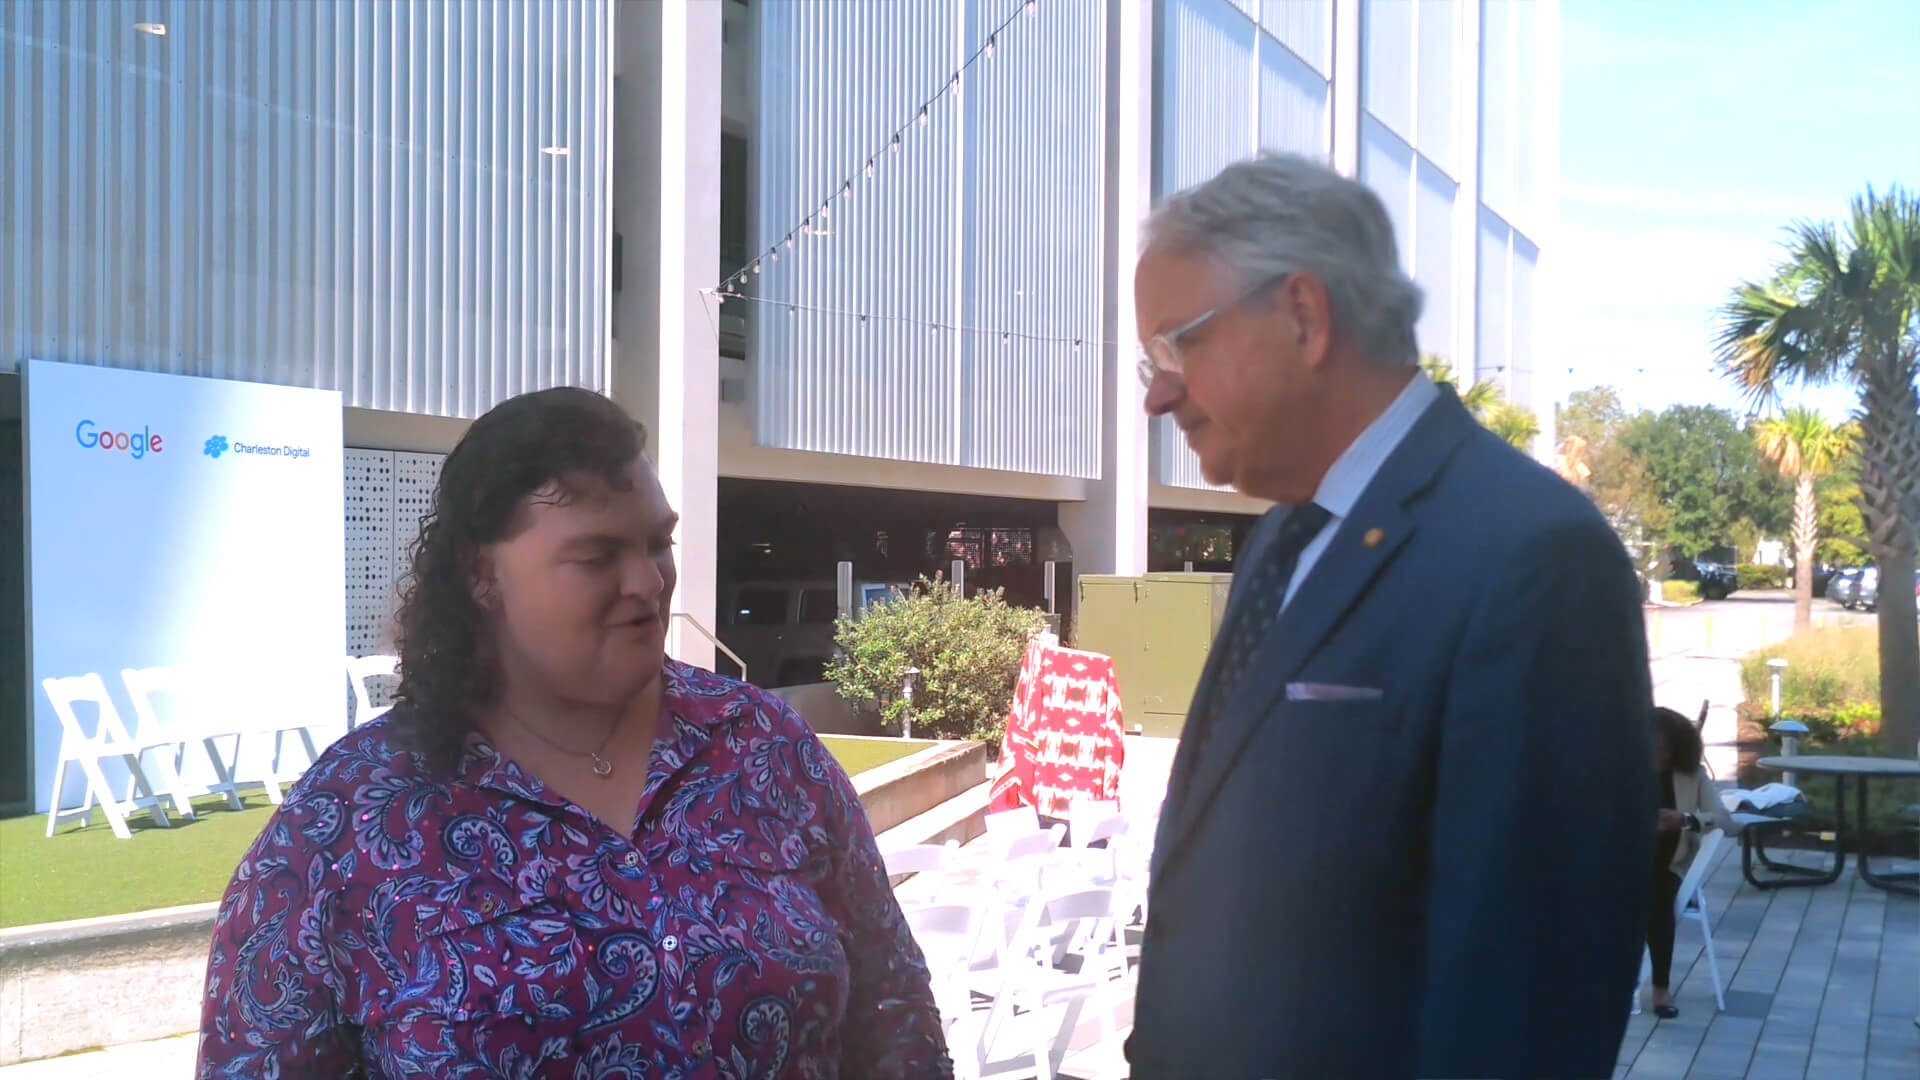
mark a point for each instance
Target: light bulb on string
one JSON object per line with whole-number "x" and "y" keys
{"x": 954, "y": 83}
{"x": 789, "y": 241}
{"x": 792, "y": 311}
{"x": 773, "y": 254}
{"x": 869, "y": 168}
{"x": 895, "y": 145}
{"x": 1006, "y": 338}
{"x": 989, "y": 49}
{"x": 923, "y": 116}
{"x": 826, "y": 210}
{"x": 756, "y": 266}
{"x": 1032, "y": 8}
{"x": 846, "y": 190}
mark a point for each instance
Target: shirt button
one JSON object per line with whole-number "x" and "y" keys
{"x": 487, "y": 906}
{"x": 632, "y": 858}
{"x": 670, "y": 943}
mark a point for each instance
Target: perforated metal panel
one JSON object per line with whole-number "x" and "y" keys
{"x": 387, "y": 493}
{"x": 369, "y": 509}
{"x": 414, "y": 477}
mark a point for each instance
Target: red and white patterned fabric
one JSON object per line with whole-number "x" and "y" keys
{"x": 1065, "y": 739}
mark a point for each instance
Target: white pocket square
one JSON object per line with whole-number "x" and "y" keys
{"x": 1317, "y": 691}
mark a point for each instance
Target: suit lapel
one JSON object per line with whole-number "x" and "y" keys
{"x": 1328, "y": 595}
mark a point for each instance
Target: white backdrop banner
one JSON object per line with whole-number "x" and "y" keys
{"x": 184, "y": 522}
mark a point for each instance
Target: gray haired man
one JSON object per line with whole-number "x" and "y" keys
{"x": 1411, "y": 817}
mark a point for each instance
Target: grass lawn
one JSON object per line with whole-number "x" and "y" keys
{"x": 81, "y": 873}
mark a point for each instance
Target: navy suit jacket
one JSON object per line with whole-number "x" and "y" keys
{"x": 1448, "y": 880}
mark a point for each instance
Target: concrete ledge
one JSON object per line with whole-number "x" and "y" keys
{"x": 960, "y": 818}
{"x": 98, "y": 982}
{"x": 900, "y": 790}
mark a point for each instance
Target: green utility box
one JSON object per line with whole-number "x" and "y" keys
{"x": 1158, "y": 629}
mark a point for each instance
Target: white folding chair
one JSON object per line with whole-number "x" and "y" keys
{"x": 1030, "y": 984}
{"x": 919, "y": 859}
{"x": 1083, "y": 815}
{"x": 189, "y": 688}
{"x": 1690, "y": 902}
{"x": 1015, "y": 822}
{"x": 947, "y": 934}
{"x": 108, "y": 741}
{"x": 361, "y": 670}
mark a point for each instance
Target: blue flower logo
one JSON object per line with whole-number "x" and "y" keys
{"x": 215, "y": 446}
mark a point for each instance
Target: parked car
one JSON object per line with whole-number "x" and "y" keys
{"x": 783, "y": 630}
{"x": 1856, "y": 588}
{"x": 1717, "y": 581}
{"x": 1823, "y": 575}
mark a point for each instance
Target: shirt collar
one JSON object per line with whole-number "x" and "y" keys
{"x": 1355, "y": 469}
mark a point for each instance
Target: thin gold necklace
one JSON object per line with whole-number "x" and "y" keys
{"x": 602, "y": 767}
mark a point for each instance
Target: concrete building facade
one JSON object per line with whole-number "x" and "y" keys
{"x": 929, "y": 213}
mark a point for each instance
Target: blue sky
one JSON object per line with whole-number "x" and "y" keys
{"x": 1692, "y": 132}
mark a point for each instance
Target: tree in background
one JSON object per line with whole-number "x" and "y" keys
{"x": 1514, "y": 423}
{"x": 1843, "y": 304}
{"x": 1805, "y": 447}
{"x": 1592, "y": 420}
{"x": 1843, "y": 532}
{"x": 1708, "y": 478}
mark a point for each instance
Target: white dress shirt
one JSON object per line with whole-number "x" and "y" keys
{"x": 1353, "y": 472}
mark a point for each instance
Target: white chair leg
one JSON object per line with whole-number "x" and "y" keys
{"x": 1713, "y": 963}
{"x": 223, "y": 772}
{"x": 175, "y": 787}
{"x": 53, "y": 799}
{"x": 98, "y": 781}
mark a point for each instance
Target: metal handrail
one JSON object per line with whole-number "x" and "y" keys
{"x": 714, "y": 641}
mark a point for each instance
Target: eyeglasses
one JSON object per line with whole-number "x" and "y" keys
{"x": 1161, "y": 352}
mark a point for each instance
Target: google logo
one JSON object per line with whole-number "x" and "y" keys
{"x": 138, "y": 443}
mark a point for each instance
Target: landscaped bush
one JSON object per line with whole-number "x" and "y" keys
{"x": 968, "y": 650}
{"x": 1827, "y": 668}
{"x": 1680, "y": 592}
{"x": 1754, "y": 576}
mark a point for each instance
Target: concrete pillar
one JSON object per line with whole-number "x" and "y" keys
{"x": 1346, "y": 87}
{"x": 1466, "y": 205}
{"x": 1108, "y": 530}
{"x": 666, "y": 185}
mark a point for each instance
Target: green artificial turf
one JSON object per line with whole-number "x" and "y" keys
{"x": 84, "y": 872}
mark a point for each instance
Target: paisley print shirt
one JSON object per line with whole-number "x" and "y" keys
{"x": 388, "y": 923}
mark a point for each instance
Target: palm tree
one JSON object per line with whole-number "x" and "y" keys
{"x": 1514, "y": 423}
{"x": 1842, "y": 305}
{"x": 1805, "y": 448}
{"x": 1479, "y": 398}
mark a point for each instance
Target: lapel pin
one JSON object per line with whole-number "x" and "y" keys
{"x": 1373, "y": 538}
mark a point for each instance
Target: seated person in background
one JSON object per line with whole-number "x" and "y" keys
{"x": 1688, "y": 808}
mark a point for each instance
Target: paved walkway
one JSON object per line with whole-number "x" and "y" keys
{"x": 1822, "y": 984}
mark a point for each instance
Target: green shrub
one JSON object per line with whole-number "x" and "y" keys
{"x": 1829, "y": 670}
{"x": 968, "y": 650}
{"x": 1755, "y": 576}
{"x": 1680, "y": 592}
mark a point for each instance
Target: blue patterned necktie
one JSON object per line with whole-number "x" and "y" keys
{"x": 1259, "y": 605}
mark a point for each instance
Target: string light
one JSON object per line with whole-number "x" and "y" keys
{"x": 922, "y": 117}
{"x": 864, "y": 318}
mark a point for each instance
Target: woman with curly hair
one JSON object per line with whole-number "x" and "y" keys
{"x": 563, "y": 854}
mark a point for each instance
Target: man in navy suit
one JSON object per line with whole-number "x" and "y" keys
{"x": 1412, "y": 812}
